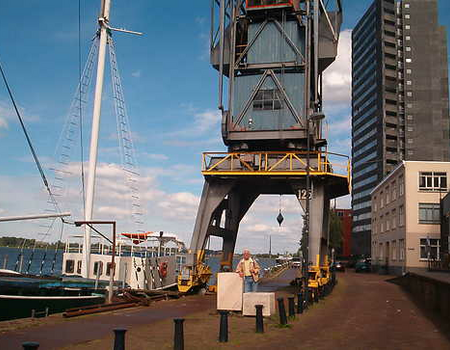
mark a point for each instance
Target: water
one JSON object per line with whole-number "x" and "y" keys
{"x": 36, "y": 258}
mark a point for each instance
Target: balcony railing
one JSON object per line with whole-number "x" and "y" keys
{"x": 275, "y": 163}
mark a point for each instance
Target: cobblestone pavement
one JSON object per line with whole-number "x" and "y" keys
{"x": 364, "y": 311}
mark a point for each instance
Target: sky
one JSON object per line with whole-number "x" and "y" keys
{"x": 171, "y": 96}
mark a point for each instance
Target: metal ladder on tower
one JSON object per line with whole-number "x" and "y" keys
{"x": 69, "y": 136}
{"x": 127, "y": 150}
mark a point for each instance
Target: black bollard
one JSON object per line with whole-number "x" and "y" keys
{"x": 178, "y": 338}
{"x": 282, "y": 311}
{"x": 223, "y": 334}
{"x": 291, "y": 304}
{"x": 299, "y": 303}
{"x": 316, "y": 295}
{"x": 119, "y": 339}
{"x": 259, "y": 319}
{"x": 30, "y": 345}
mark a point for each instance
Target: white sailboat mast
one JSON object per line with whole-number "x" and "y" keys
{"x": 90, "y": 191}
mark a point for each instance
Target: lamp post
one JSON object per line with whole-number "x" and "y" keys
{"x": 112, "y": 269}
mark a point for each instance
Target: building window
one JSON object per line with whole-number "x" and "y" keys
{"x": 267, "y": 100}
{"x": 387, "y": 196}
{"x": 401, "y": 247}
{"x": 410, "y": 141}
{"x": 408, "y": 48}
{"x": 432, "y": 181}
{"x": 401, "y": 215}
{"x": 429, "y": 213}
{"x": 429, "y": 248}
{"x": 408, "y": 60}
{"x": 409, "y": 117}
{"x": 79, "y": 264}
{"x": 381, "y": 224}
{"x": 408, "y": 71}
{"x": 409, "y": 94}
{"x": 401, "y": 186}
{"x": 407, "y": 16}
{"x": 394, "y": 191}
{"x": 375, "y": 204}
{"x": 409, "y": 82}
{"x": 394, "y": 219}
{"x": 394, "y": 250}
{"x": 406, "y": 6}
{"x": 381, "y": 200}
{"x": 407, "y": 27}
{"x": 388, "y": 222}
{"x": 410, "y": 128}
{"x": 407, "y": 37}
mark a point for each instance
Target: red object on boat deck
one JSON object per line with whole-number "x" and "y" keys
{"x": 260, "y": 4}
{"x": 138, "y": 237}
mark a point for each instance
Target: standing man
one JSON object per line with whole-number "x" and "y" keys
{"x": 248, "y": 269}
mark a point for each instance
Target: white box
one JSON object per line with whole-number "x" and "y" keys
{"x": 252, "y": 299}
{"x": 230, "y": 288}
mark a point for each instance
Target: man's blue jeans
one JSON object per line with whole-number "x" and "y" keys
{"x": 250, "y": 285}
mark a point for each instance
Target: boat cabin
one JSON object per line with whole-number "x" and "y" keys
{"x": 153, "y": 263}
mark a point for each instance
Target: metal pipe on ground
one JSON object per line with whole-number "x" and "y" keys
{"x": 259, "y": 319}
{"x": 178, "y": 338}
{"x": 97, "y": 309}
{"x": 282, "y": 311}
{"x": 119, "y": 339}
{"x": 223, "y": 332}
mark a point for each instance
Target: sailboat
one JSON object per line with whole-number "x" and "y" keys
{"x": 93, "y": 263}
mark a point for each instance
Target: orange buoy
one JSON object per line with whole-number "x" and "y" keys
{"x": 163, "y": 269}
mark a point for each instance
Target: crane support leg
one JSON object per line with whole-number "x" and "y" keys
{"x": 222, "y": 207}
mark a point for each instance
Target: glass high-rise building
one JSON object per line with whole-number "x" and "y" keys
{"x": 399, "y": 98}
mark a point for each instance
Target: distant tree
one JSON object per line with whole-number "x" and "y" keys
{"x": 303, "y": 240}
{"x": 335, "y": 231}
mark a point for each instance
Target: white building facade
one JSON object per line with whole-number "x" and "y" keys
{"x": 406, "y": 216}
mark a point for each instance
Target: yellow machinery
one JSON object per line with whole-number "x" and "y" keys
{"x": 194, "y": 276}
{"x": 319, "y": 277}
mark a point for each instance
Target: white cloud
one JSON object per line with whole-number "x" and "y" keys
{"x": 203, "y": 124}
{"x": 3, "y": 123}
{"x": 136, "y": 137}
{"x": 337, "y": 78}
{"x": 343, "y": 125}
{"x": 155, "y": 156}
{"x": 136, "y": 74}
{"x": 200, "y": 20}
{"x": 7, "y": 113}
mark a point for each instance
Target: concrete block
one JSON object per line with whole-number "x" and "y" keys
{"x": 252, "y": 299}
{"x": 230, "y": 288}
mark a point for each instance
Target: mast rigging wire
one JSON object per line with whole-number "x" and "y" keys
{"x": 30, "y": 145}
{"x": 80, "y": 108}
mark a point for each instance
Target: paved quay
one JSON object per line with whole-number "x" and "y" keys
{"x": 365, "y": 311}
